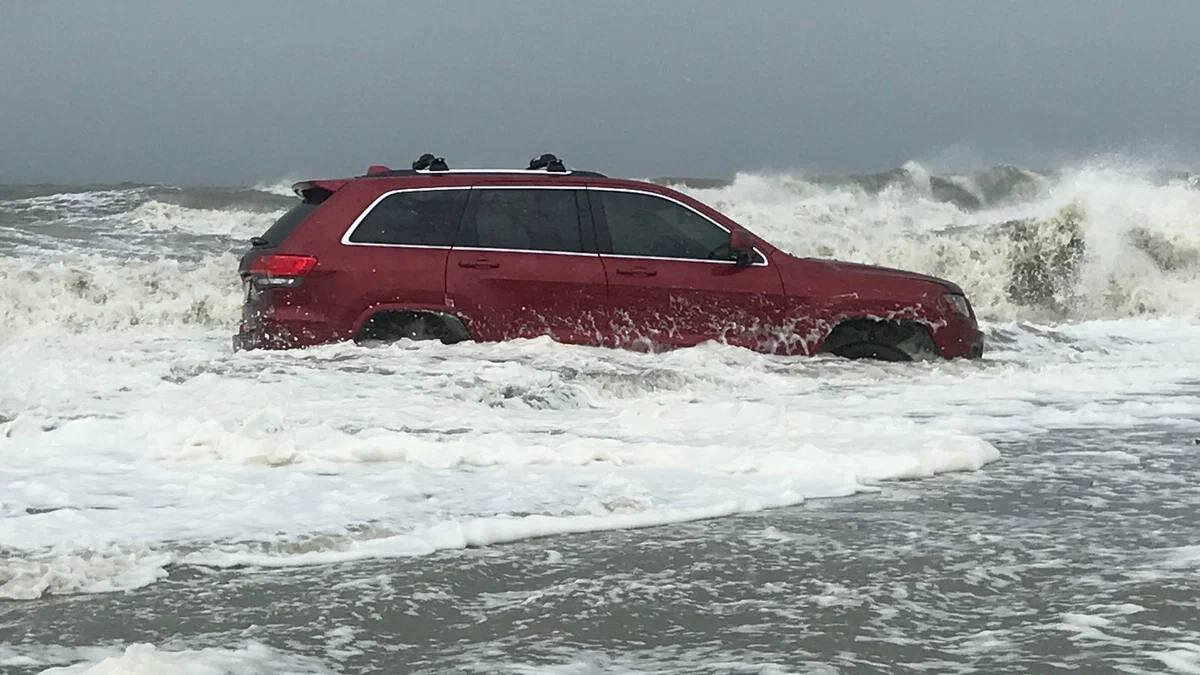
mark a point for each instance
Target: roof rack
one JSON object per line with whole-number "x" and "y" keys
{"x": 427, "y": 162}
{"x": 548, "y": 162}
{"x": 430, "y": 164}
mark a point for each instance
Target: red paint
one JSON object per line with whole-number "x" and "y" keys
{"x": 506, "y": 294}
{"x": 681, "y": 303}
{"x": 788, "y": 305}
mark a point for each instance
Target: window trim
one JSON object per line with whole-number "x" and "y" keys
{"x": 345, "y": 240}
{"x": 371, "y": 207}
{"x": 766, "y": 262}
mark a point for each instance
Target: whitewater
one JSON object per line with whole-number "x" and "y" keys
{"x": 169, "y": 505}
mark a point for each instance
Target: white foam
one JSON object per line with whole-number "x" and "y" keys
{"x": 86, "y": 572}
{"x": 146, "y": 659}
{"x": 1086, "y": 626}
{"x": 344, "y": 452}
{"x": 96, "y": 293}
{"x": 1184, "y": 556}
{"x": 281, "y": 187}
{"x": 235, "y": 223}
{"x": 1181, "y": 658}
{"x": 650, "y": 660}
{"x": 70, "y": 206}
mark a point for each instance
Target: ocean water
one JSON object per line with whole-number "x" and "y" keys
{"x": 169, "y": 506}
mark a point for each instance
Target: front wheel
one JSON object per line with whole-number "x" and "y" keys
{"x": 882, "y": 340}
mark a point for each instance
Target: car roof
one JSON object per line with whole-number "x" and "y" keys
{"x": 400, "y": 178}
{"x": 382, "y": 171}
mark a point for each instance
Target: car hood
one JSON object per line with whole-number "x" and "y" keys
{"x": 841, "y": 267}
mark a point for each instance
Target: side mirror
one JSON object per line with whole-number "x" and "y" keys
{"x": 742, "y": 248}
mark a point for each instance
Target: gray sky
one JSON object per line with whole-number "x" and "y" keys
{"x": 231, "y": 92}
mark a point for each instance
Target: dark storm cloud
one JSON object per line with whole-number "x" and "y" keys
{"x": 224, "y": 92}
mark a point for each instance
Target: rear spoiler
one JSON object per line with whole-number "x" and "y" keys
{"x": 317, "y": 191}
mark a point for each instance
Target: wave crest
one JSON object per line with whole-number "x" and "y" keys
{"x": 233, "y": 223}
{"x": 1093, "y": 243}
{"x": 84, "y": 293}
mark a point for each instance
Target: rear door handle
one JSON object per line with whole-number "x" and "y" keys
{"x": 637, "y": 271}
{"x": 479, "y": 264}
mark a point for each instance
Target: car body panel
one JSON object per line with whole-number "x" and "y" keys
{"x": 680, "y": 303}
{"x": 523, "y": 294}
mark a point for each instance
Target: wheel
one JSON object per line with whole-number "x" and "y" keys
{"x": 420, "y": 327}
{"x": 391, "y": 326}
{"x": 882, "y": 340}
{"x": 871, "y": 350}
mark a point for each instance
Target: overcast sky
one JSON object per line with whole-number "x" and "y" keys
{"x": 233, "y": 92}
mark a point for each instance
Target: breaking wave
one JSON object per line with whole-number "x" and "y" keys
{"x": 1096, "y": 242}
{"x": 233, "y": 223}
{"x": 1101, "y": 241}
{"x": 84, "y": 293}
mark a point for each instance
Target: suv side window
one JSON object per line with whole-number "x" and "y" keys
{"x": 415, "y": 217}
{"x": 530, "y": 219}
{"x": 648, "y": 225}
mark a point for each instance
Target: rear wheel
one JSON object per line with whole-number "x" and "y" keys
{"x": 392, "y": 326}
{"x": 871, "y": 350}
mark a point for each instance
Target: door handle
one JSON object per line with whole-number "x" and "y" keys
{"x": 637, "y": 271}
{"x": 479, "y": 264}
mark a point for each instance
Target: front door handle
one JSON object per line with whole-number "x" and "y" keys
{"x": 479, "y": 264}
{"x": 637, "y": 271}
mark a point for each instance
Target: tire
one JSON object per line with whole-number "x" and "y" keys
{"x": 871, "y": 350}
{"x": 392, "y": 326}
{"x": 421, "y": 327}
{"x": 882, "y": 340}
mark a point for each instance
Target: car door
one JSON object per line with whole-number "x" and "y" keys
{"x": 394, "y": 253}
{"x": 672, "y": 280}
{"x": 525, "y": 265}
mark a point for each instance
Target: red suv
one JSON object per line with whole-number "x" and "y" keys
{"x": 430, "y": 253}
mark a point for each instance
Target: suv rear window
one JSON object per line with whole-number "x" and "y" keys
{"x": 275, "y": 234}
{"x": 415, "y": 217}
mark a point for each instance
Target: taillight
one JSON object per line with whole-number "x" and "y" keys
{"x": 281, "y": 270}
